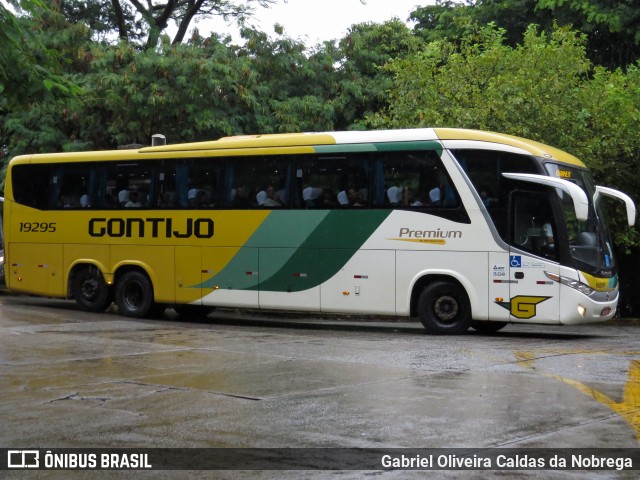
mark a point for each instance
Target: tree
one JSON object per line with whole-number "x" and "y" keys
{"x": 544, "y": 88}
{"x": 143, "y": 21}
{"x": 32, "y": 79}
{"x": 527, "y": 90}
{"x": 29, "y": 71}
{"x": 364, "y": 82}
{"x": 611, "y": 26}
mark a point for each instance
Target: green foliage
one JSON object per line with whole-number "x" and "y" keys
{"x": 613, "y": 28}
{"x": 536, "y": 82}
{"x": 180, "y": 91}
{"x": 544, "y": 89}
{"x": 489, "y": 85}
{"x": 364, "y": 83}
{"x": 30, "y": 70}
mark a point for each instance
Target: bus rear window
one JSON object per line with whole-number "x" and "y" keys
{"x": 31, "y": 185}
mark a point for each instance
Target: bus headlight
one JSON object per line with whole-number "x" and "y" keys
{"x": 569, "y": 282}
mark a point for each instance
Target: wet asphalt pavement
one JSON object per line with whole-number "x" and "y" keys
{"x": 71, "y": 379}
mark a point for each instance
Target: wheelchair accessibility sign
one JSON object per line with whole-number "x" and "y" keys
{"x": 515, "y": 261}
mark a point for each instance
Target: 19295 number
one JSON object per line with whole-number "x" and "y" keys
{"x": 38, "y": 227}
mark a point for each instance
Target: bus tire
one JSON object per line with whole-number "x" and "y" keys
{"x": 487, "y": 327}
{"x": 90, "y": 291}
{"x": 444, "y": 308}
{"x": 134, "y": 294}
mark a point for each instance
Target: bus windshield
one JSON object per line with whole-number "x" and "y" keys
{"x": 589, "y": 241}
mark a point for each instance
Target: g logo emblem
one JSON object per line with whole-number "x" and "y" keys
{"x": 523, "y": 306}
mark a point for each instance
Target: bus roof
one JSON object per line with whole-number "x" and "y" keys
{"x": 304, "y": 143}
{"x": 534, "y": 148}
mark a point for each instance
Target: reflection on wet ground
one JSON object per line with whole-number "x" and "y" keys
{"x": 74, "y": 379}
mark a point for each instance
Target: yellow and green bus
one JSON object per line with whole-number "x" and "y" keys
{"x": 456, "y": 227}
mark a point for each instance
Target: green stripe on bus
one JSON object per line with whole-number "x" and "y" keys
{"x": 340, "y": 235}
{"x": 409, "y": 146}
{"x": 283, "y": 232}
{"x": 380, "y": 147}
{"x": 295, "y": 251}
{"x": 344, "y": 148}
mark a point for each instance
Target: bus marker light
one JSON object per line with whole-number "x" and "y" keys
{"x": 499, "y": 299}
{"x": 605, "y": 311}
{"x": 582, "y": 310}
{"x": 346, "y": 293}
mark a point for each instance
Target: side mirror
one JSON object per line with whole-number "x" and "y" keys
{"x": 610, "y": 192}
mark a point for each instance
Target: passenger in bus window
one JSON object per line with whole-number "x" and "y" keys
{"x": 202, "y": 199}
{"x": 270, "y": 200}
{"x": 328, "y": 199}
{"x": 435, "y": 196}
{"x": 355, "y": 198}
{"x": 123, "y": 197}
{"x": 66, "y": 201}
{"x": 486, "y": 197}
{"x": 166, "y": 200}
{"x": 241, "y": 198}
{"x": 548, "y": 240}
{"x": 134, "y": 200}
{"x": 311, "y": 196}
{"x": 394, "y": 194}
{"x": 417, "y": 199}
{"x": 191, "y": 196}
{"x": 343, "y": 198}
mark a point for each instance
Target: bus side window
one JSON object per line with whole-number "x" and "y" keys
{"x": 340, "y": 181}
{"x": 258, "y": 182}
{"x": 412, "y": 180}
{"x": 129, "y": 185}
{"x": 73, "y": 186}
{"x": 203, "y": 183}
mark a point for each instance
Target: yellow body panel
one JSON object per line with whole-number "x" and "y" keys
{"x": 535, "y": 148}
{"x": 42, "y": 260}
{"x": 249, "y": 142}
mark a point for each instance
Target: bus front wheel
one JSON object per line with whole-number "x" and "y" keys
{"x": 90, "y": 291}
{"x": 134, "y": 294}
{"x": 444, "y": 308}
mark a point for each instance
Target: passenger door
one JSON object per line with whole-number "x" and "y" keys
{"x": 533, "y": 296}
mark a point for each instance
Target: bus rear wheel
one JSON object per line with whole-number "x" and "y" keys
{"x": 134, "y": 294}
{"x": 90, "y": 291}
{"x": 444, "y": 308}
